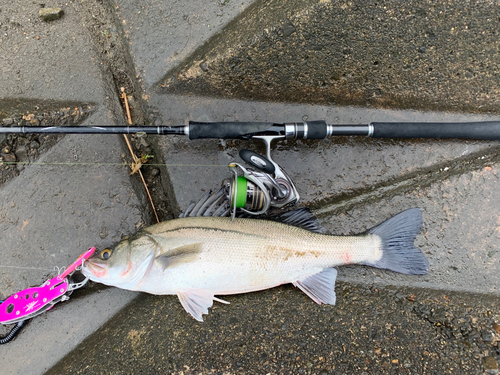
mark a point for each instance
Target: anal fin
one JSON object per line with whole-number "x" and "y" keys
{"x": 197, "y": 301}
{"x": 320, "y": 287}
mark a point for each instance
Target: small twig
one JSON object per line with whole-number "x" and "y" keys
{"x": 127, "y": 109}
{"x": 136, "y": 161}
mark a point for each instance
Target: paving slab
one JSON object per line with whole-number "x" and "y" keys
{"x": 324, "y": 170}
{"x": 53, "y": 60}
{"x": 52, "y": 212}
{"x": 49, "y": 215}
{"x": 163, "y": 33}
{"x": 460, "y": 235}
{"x": 62, "y": 203}
{"x": 281, "y": 331}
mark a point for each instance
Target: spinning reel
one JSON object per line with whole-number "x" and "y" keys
{"x": 254, "y": 192}
{"x": 250, "y": 191}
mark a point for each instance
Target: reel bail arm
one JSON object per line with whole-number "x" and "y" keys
{"x": 256, "y": 191}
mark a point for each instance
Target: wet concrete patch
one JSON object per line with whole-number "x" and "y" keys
{"x": 370, "y": 330}
{"x": 340, "y": 202}
{"x": 420, "y": 55}
{"x": 18, "y": 150}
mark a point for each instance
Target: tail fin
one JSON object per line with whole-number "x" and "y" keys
{"x": 399, "y": 254}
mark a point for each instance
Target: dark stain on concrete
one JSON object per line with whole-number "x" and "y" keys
{"x": 417, "y": 54}
{"x": 281, "y": 331}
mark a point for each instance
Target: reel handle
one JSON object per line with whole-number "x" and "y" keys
{"x": 258, "y": 161}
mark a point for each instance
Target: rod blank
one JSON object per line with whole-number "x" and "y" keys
{"x": 161, "y": 130}
{"x": 488, "y": 130}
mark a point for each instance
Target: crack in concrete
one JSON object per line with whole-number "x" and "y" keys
{"x": 118, "y": 69}
{"x": 418, "y": 179}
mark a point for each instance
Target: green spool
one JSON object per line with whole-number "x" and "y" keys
{"x": 241, "y": 191}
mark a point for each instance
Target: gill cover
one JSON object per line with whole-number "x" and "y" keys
{"x": 125, "y": 264}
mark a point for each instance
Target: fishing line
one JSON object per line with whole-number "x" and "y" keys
{"x": 115, "y": 164}
{"x": 55, "y": 269}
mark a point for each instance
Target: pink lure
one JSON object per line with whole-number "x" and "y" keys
{"x": 33, "y": 301}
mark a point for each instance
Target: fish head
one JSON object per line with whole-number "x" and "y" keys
{"x": 109, "y": 265}
{"x": 123, "y": 265}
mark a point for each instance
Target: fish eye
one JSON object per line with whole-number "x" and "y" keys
{"x": 106, "y": 253}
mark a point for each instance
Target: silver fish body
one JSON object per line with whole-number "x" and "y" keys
{"x": 198, "y": 258}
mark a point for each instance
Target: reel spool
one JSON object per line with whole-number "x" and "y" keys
{"x": 245, "y": 194}
{"x": 255, "y": 192}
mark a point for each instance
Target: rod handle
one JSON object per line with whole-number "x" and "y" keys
{"x": 487, "y": 130}
{"x": 226, "y": 130}
{"x": 245, "y": 130}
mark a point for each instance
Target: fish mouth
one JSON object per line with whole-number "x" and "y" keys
{"x": 93, "y": 269}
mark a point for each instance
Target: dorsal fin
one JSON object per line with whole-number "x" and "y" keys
{"x": 300, "y": 217}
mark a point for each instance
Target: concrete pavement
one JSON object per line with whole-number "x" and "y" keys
{"x": 250, "y": 61}
{"x": 50, "y": 214}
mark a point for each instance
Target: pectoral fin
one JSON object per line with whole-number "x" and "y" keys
{"x": 179, "y": 255}
{"x": 320, "y": 287}
{"x": 197, "y": 301}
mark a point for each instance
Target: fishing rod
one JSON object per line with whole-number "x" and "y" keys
{"x": 255, "y": 191}
{"x": 486, "y": 130}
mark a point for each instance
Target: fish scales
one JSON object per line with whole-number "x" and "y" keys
{"x": 251, "y": 254}
{"x": 199, "y": 258}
